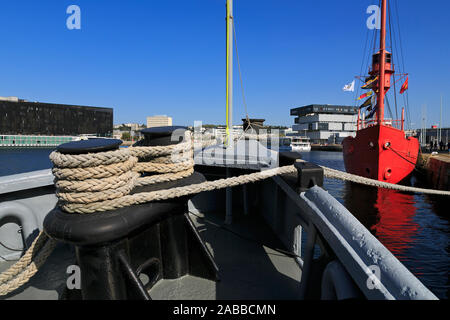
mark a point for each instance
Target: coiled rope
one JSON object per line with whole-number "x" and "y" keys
{"x": 89, "y": 183}
{"x": 102, "y": 181}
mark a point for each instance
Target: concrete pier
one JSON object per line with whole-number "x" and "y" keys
{"x": 436, "y": 168}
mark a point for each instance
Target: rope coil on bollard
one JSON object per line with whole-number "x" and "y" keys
{"x": 95, "y": 182}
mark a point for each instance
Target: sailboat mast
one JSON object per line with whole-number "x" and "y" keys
{"x": 229, "y": 99}
{"x": 382, "y": 75}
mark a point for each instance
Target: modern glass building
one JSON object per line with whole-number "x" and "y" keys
{"x": 325, "y": 124}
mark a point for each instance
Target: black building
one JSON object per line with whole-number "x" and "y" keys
{"x": 323, "y": 109}
{"x": 36, "y": 118}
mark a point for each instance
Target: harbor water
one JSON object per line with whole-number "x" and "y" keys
{"x": 414, "y": 227}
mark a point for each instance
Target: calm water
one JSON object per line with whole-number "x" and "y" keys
{"x": 17, "y": 160}
{"x": 415, "y": 228}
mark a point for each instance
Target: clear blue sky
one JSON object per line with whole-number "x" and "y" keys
{"x": 168, "y": 56}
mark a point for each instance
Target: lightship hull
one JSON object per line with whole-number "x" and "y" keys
{"x": 382, "y": 153}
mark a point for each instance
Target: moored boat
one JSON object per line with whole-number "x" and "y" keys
{"x": 300, "y": 144}
{"x": 380, "y": 150}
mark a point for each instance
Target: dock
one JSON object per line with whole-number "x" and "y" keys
{"x": 436, "y": 168}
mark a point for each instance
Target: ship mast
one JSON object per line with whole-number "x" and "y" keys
{"x": 382, "y": 73}
{"x": 229, "y": 94}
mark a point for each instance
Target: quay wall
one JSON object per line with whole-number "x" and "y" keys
{"x": 436, "y": 168}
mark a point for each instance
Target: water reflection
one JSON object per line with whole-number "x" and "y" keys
{"x": 395, "y": 227}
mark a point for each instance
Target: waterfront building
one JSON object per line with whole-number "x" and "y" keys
{"x": 133, "y": 126}
{"x": 325, "y": 124}
{"x": 20, "y": 117}
{"x": 159, "y": 121}
{"x": 221, "y": 131}
{"x": 431, "y": 136}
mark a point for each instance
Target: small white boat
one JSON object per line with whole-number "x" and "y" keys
{"x": 300, "y": 144}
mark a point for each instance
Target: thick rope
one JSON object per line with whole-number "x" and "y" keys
{"x": 22, "y": 271}
{"x": 336, "y": 174}
{"x": 176, "y": 192}
{"x": 85, "y": 179}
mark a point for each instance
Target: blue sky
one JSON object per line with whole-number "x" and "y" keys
{"x": 168, "y": 57}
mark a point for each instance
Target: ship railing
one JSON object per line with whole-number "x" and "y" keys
{"x": 358, "y": 261}
{"x": 363, "y": 123}
{"x": 399, "y": 124}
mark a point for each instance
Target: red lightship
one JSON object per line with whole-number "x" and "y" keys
{"x": 381, "y": 150}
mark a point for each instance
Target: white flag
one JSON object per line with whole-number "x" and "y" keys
{"x": 349, "y": 87}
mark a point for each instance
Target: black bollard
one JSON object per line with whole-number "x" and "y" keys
{"x": 309, "y": 175}
{"x": 115, "y": 249}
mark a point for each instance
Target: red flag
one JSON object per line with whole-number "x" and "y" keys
{"x": 404, "y": 86}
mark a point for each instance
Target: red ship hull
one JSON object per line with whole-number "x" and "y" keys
{"x": 382, "y": 153}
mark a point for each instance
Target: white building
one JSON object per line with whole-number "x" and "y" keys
{"x": 221, "y": 132}
{"x": 325, "y": 124}
{"x": 159, "y": 121}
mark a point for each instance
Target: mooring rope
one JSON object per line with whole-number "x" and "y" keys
{"x": 336, "y": 174}
{"x": 103, "y": 181}
{"x": 100, "y": 181}
{"x": 27, "y": 266}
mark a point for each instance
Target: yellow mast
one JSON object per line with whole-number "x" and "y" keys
{"x": 229, "y": 93}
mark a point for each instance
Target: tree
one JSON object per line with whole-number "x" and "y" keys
{"x": 126, "y": 136}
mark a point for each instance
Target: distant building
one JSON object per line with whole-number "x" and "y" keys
{"x": 325, "y": 124}
{"x": 159, "y": 121}
{"x": 432, "y": 136}
{"x": 133, "y": 129}
{"x": 133, "y": 126}
{"x": 20, "y": 117}
{"x": 221, "y": 131}
{"x": 11, "y": 99}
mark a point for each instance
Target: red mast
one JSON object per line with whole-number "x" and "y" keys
{"x": 382, "y": 72}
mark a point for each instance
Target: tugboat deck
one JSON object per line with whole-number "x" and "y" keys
{"x": 248, "y": 269}
{"x": 248, "y": 266}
